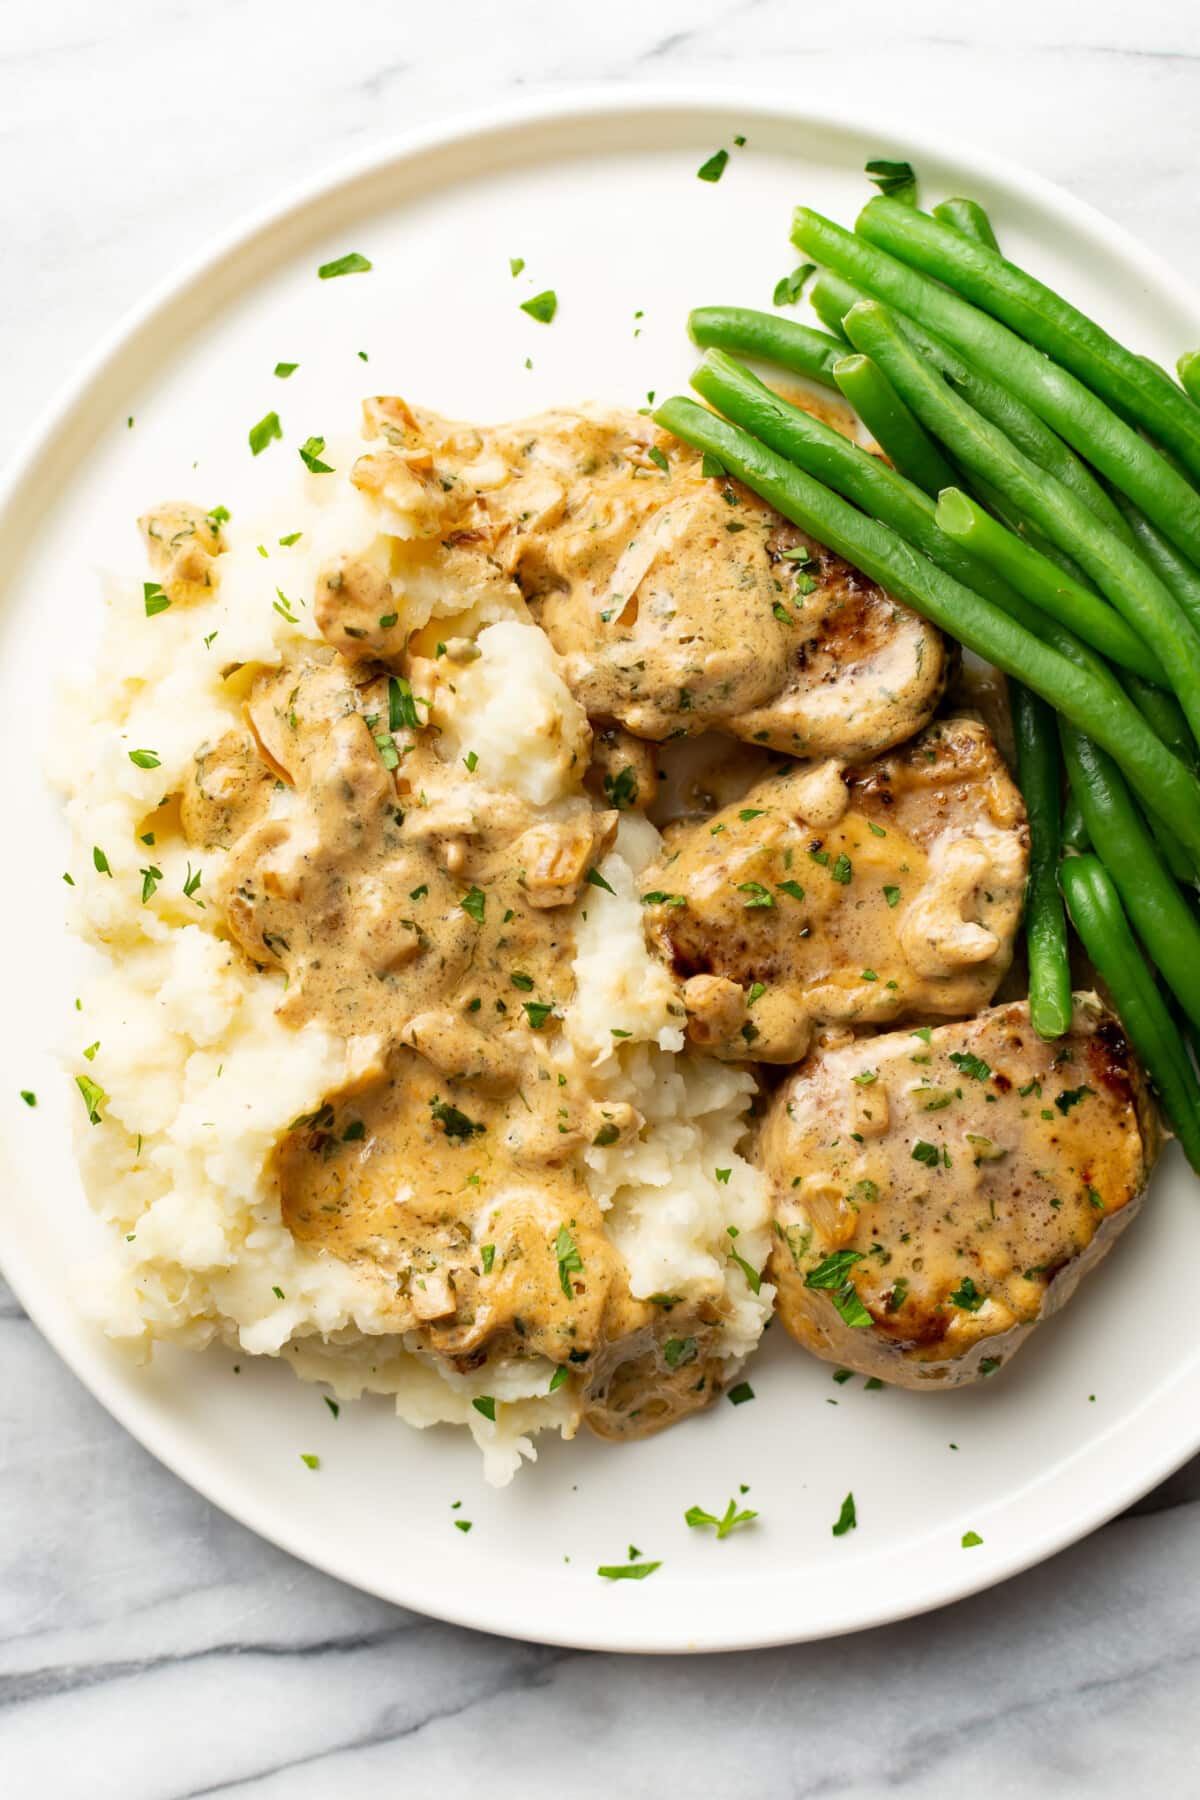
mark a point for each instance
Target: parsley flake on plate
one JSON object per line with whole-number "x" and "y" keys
{"x": 352, "y": 264}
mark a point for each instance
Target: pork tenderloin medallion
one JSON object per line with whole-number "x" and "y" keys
{"x": 937, "y": 1193}
{"x": 834, "y": 895}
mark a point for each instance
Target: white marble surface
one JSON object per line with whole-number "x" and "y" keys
{"x": 149, "y": 1648}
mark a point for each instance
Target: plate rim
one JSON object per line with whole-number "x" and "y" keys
{"x": 477, "y": 1607}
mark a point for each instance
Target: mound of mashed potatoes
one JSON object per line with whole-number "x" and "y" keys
{"x": 386, "y": 1081}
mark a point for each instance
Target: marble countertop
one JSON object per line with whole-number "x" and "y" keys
{"x": 150, "y": 1648}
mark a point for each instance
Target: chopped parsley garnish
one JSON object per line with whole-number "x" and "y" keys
{"x": 875, "y": 830}
{"x": 402, "y": 707}
{"x": 753, "y": 1278}
{"x": 561, "y": 1374}
{"x": 191, "y": 883}
{"x": 971, "y": 1540}
{"x": 355, "y": 1132}
{"x": 678, "y": 1352}
{"x": 566, "y": 1254}
{"x": 515, "y": 265}
{"x": 723, "y": 1175}
{"x": 454, "y": 1123}
{"x": 924, "y": 1033}
{"x": 925, "y": 1153}
{"x": 595, "y": 879}
{"x": 151, "y": 876}
{"x": 967, "y": 1296}
{"x": 865, "y": 1078}
{"x": 842, "y": 869}
{"x": 261, "y": 434}
{"x": 153, "y": 598}
{"x": 144, "y": 759}
{"x": 353, "y": 264}
{"x": 847, "y": 1519}
{"x": 487, "y": 1256}
{"x": 283, "y": 606}
{"x": 309, "y": 1460}
{"x": 100, "y": 861}
{"x": 738, "y": 1396}
{"x": 470, "y": 762}
{"x": 541, "y": 307}
{"x": 473, "y": 903}
{"x": 660, "y": 897}
{"x": 630, "y": 1571}
{"x": 757, "y": 990}
{"x": 93, "y": 1095}
{"x": 894, "y": 178}
{"x": 29, "y": 1097}
{"x": 622, "y": 788}
{"x": 311, "y": 451}
{"x": 485, "y": 1404}
{"x": 278, "y": 1293}
{"x": 972, "y": 1066}
{"x": 729, "y": 1521}
{"x": 833, "y": 1270}
{"x": 751, "y": 812}
{"x": 892, "y": 895}
{"x": 989, "y": 1365}
{"x": 791, "y": 887}
{"x": 658, "y": 459}
{"x": 789, "y": 288}
{"x": 898, "y": 1295}
{"x": 293, "y": 537}
{"x": 333, "y": 1406}
{"x": 759, "y": 895}
{"x": 1071, "y": 1097}
{"x": 537, "y": 1012}
{"x": 463, "y": 1525}
{"x": 714, "y": 168}
{"x": 520, "y": 980}
{"x": 283, "y": 370}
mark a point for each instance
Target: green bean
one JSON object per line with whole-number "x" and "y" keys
{"x": 1074, "y": 831}
{"x": 1089, "y": 426}
{"x": 1117, "y": 570}
{"x": 1097, "y": 916}
{"x": 1174, "y": 570}
{"x": 827, "y": 305}
{"x": 1189, "y": 374}
{"x": 1089, "y": 700}
{"x": 1041, "y": 316}
{"x": 1165, "y": 718}
{"x": 1035, "y": 576}
{"x": 1040, "y": 773}
{"x": 775, "y": 340}
{"x": 969, "y": 218}
{"x": 1161, "y": 916}
{"x": 1016, "y": 420}
{"x": 906, "y": 444}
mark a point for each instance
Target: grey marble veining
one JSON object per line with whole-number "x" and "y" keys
{"x": 150, "y": 1648}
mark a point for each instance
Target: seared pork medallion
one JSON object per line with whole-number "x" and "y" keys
{"x": 939, "y": 1192}
{"x": 677, "y": 600}
{"x": 851, "y": 895}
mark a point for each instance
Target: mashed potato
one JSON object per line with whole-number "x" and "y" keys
{"x": 197, "y": 1079}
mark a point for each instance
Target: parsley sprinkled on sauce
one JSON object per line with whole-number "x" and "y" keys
{"x": 473, "y": 903}
{"x": 485, "y": 1404}
{"x": 311, "y": 451}
{"x": 759, "y": 895}
{"x": 144, "y": 759}
{"x": 353, "y": 264}
{"x": 93, "y": 1095}
{"x": 832, "y": 1276}
{"x": 847, "y": 1519}
{"x": 892, "y": 895}
{"x": 842, "y": 870}
{"x": 738, "y": 1396}
{"x": 454, "y": 1123}
{"x": 630, "y": 1571}
{"x": 283, "y": 370}
{"x": 714, "y": 168}
{"x": 791, "y": 887}
{"x": 487, "y": 1257}
{"x": 989, "y": 1365}
{"x": 261, "y": 435}
{"x": 153, "y": 598}
{"x": 309, "y": 1460}
{"x": 1071, "y": 1097}
{"x": 896, "y": 179}
{"x": 973, "y": 1067}
{"x": 541, "y": 307}
{"x": 402, "y": 706}
{"x": 971, "y": 1540}
{"x": 355, "y": 1132}
{"x": 729, "y": 1520}
{"x": 537, "y": 1012}
{"x": 566, "y": 1254}
{"x": 967, "y": 1296}
{"x": 789, "y": 288}
{"x": 678, "y": 1352}
{"x": 925, "y": 1153}
{"x": 660, "y": 897}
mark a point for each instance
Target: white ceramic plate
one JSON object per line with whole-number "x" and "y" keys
{"x": 599, "y": 195}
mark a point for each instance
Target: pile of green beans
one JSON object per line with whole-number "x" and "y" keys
{"x": 1037, "y": 498}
